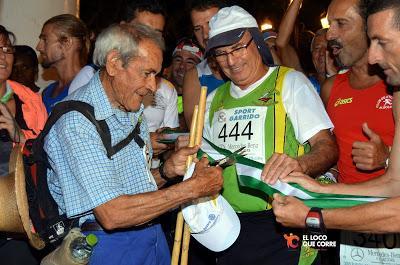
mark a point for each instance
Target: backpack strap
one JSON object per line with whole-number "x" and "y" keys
{"x": 101, "y": 126}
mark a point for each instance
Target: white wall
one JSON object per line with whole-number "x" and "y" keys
{"x": 25, "y": 19}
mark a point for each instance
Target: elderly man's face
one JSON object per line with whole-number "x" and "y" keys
{"x": 385, "y": 44}
{"x": 182, "y": 62}
{"x": 241, "y": 62}
{"x": 131, "y": 83}
{"x": 346, "y": 35}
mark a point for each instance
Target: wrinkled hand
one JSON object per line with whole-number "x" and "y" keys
{"x": 207, "y": 180}
{"x": 181, "y": 142}
{"x": 279, "y": 166}
{"x": 7, "y": 122}
{"x": 289, "y": 211}
{"x": 372, "y": 154}
{"x": 158, "y": 147}
{"x": 175, "y": 165}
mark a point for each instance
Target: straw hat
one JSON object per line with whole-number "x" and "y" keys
{"x": 14, "y": 209}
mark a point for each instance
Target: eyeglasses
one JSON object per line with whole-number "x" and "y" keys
{"x": 7, "y": 49}
{"x": 239, "y": 51}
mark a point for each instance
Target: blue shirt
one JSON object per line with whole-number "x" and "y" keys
{"x": 82, "y": 177}
{"x": 50, "y": 102}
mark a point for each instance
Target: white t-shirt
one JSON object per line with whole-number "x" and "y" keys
{"x": 300, "y": 100}
{"x": 82, "y": 78}
{"x": 164, "y": 110}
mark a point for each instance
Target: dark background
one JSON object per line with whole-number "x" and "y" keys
{"x": 99, "y": 13}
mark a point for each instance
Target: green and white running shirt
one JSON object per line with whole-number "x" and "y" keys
{"x": 278, "y": 113}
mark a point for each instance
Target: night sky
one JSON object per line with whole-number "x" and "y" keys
{"x": 100, "y": 13}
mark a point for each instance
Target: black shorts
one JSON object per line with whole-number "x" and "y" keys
{"x": 261, "y": 241}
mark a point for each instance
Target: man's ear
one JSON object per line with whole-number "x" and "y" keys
{"x": 113, "y": 63}
{"x": 67, "y": 43}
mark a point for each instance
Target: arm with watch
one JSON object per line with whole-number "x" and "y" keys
{"x": 369, "y": 218}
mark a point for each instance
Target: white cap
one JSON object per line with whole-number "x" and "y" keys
{"x": 228, "y": 26}
{"x": 212, "y": 222}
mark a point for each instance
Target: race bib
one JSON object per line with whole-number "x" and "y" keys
{"x": 369, "y": 249}
{"x": 238, "y": 127}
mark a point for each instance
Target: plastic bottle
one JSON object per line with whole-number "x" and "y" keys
{"x": 75, "y": 249}
{"x": 82, "y": 248}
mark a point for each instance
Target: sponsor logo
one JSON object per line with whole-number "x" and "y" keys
{"x": 343, "y": 101}
{"x": 384, "y": 102}
{"x": 222, "y": 117}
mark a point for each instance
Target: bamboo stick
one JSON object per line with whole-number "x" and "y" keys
{"x": 197, "y": 141}
{"x": 179, "y": 219}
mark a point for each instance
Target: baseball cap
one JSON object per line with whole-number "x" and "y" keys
{"x": 212, "y": 221}
{"x": 228, "y": 26}
{"x": 190, "y": 46}
{"x": 269, "y": 34}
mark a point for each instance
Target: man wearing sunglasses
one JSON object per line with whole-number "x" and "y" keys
{"x": 276, "y": 113}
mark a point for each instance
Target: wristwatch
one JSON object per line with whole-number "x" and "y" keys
{"x": 315, "y": 222}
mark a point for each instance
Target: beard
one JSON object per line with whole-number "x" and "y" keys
{"x": 46, "y": 63}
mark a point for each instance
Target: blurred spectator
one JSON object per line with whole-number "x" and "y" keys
{"x": 64, "y": 45}
{"x": 184, "y": 58}
{"x": 25, "y": 68}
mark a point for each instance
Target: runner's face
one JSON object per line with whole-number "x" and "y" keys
{"x": 244, "y": 68}
{"x": 6, "y": 59}
{"x": 346, "y": 36}
{"x": 319, "y": 53}
{"x": 385, "y": 44}
{"x": 200, "y": 19}
{"x": 181, "y": 63}
{"x": 154, "y": 21}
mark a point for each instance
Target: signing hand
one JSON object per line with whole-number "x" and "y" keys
{"x": 158, "y": 147}
{"x": 279, "y": 166}
{"x": 372, "y": 154}
{"x": 289, "y": 211}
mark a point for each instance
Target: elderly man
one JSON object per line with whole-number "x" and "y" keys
{"x": 120, "y": 194}
{"x": 378, "y": 217}
{"x": 277, "y": 115}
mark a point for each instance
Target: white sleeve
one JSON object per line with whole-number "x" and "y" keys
{"x": 304, "y": 107}
{"x": 82, "y": 78}
{"x": 170, "y": 99}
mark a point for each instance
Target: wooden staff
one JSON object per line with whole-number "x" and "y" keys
{"x": 179, "y": 219}
{"x": 196, "y": 132}
{"x": 197, "y": 141}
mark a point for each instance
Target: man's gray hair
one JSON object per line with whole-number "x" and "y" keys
{"x": 125, "y": 39}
